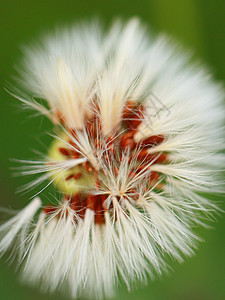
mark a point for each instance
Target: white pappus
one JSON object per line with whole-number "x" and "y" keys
{"x": 139, "y": 137}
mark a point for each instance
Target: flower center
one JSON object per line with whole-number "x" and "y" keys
{"x": 100, "y": 167}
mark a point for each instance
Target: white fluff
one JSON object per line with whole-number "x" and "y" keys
{"x": 68, "y": 71}
{"x": 18, "y": 226}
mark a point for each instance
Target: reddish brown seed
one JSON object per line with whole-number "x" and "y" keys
{"x": 74, "y": 199}
{"x": 97, "y": 184}
{"x": 99, "y": 214}
{"x": 154, "y": 176}
{"x": 69, "y": 177}
{"x": 67, "y": 198}
{"x": 116, "y": 171}
{"x": 140, "y": 169}
{"x": 73, "y": 133}
{"x": 96, "y": 204}
{"x": 49, "y": 209}
{"x": 100, "y": 209}
{"x": 111, "y": 144}
{"x": 64, "y": 151}
{"x": 73, "y": 149}
{"x": 97, "y": 143}
{"x": 152, "y": 141}
{"x": 72, "y": 143}
{"x": 91, "y": 201}
{"x": 133, "y": 115}
{"x": 91, "y": 127}
{"x": 74, "y": 176}
{"x": 127, "y": 141}
{"x": 88, "y": 167}
{"x": 137, "y": 117}
{"x": 78, "y": 203}
{"x": 60, "y": 117}
{"x": 127, "y": 110}
{"x": 77, "y": 176}
{"x": 146, "y": 158}
{"x": 75, "y": 154}
{"x": 111, "y": 149}
{"x": 154, "y": 180}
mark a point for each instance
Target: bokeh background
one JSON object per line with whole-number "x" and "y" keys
{"x": 197, "y": 24}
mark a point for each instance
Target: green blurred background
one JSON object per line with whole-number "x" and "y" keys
{"x": 197, "y": 24}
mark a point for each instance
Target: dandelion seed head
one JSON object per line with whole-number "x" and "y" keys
{"x": 138, "y": 138}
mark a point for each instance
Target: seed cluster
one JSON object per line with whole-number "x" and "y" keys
{"x": 121, "y": 141}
